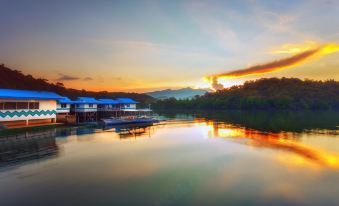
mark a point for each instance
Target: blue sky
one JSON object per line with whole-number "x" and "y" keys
{"x": 146, "y": 45}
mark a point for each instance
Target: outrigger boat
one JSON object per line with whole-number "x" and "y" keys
{"x": 128, "y": 120}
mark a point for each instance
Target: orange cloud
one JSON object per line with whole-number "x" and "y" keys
{"x": 271, "y": 66}
{"x": 280, "y": 64}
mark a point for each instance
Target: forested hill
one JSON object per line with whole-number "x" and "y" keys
{"x": 14, "y": 79}
{"x": 271, "y": 93}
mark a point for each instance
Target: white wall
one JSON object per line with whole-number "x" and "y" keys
{"x": 63, "y": 110}
{"x": 43, "y": 105}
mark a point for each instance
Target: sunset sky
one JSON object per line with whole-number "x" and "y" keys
{"x": 149, "y": 45}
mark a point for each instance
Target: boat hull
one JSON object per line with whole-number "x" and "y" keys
{"x": 133, "y": 121}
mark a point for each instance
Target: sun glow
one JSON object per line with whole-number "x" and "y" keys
{"x": 295, "y": 48}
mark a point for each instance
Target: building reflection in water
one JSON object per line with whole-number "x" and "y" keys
{"x": 282, "y": 141}
{"x": 23, "y": 147}
{"x": 70, "y": 131}
{"x": 36, "y": 145}
{"x": 123, "y": 131}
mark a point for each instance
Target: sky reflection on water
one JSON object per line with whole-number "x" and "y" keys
{"x": 197, "y": 162}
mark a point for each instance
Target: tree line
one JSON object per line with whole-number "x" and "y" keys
{"x": 266, "y": 94}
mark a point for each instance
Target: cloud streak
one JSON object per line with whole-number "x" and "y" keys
{"x": 276, "y": 65}
{"x": 88, "y": 78}
{"x": 65, "y": 77}
{"x": 273, "y": 66}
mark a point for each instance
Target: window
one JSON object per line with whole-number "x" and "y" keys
{"x": 22, "y": 105}
{"x": 90, "y": 105}
{"x": 37, "y": 105}
{"x": 10, "y": 105}
{"x": 63, "y": 105}
{"x": 34, "y": 105}
{"x": 18, "y": 105}
{"x": 31, "y": 105}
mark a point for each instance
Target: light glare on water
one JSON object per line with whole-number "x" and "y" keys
{"x": 203, "y": 161}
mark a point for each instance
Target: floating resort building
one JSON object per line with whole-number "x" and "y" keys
{"x": 108, "y": 105}
{"x": 64, "y": 105}
{"x": 24, "y": 107}
{"x": 64, "y": 110}
{"x": 108, "y": 108}
{"x": 127, "y": 104}
{"x": 85, "y": 104}
{"x": 85, "y": 109}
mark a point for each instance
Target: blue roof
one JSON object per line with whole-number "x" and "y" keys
{"x": 126, "y": 101}
{"x": 28, "y": 94}
{"x": 108, "y": 101}
{"x": 65, "y": 100}
{"x": 86, "y": 100}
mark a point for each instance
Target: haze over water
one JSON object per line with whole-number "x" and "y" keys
{"x": 244, "y": 158}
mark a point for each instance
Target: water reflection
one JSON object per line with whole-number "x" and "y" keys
{"x": 198, "y": 161}
{"x": 131, "y": 131}
{"x": 271, "y": 121}
{"x": 276, "y": 131}
{"x": 83, "y": 130}
{"x": 282, "y": 141}
{"x": 23, "y": 147}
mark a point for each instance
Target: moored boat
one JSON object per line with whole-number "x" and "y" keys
{"x": 136, "y": 120}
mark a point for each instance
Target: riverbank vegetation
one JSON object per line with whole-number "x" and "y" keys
{"x": 267, "y": 93}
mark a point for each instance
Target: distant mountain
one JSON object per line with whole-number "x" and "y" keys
{"x": 184, "y": 93}
{"x": 14, "y": 79}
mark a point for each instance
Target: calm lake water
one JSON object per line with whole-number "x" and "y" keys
{"x": 220, "y": 158}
